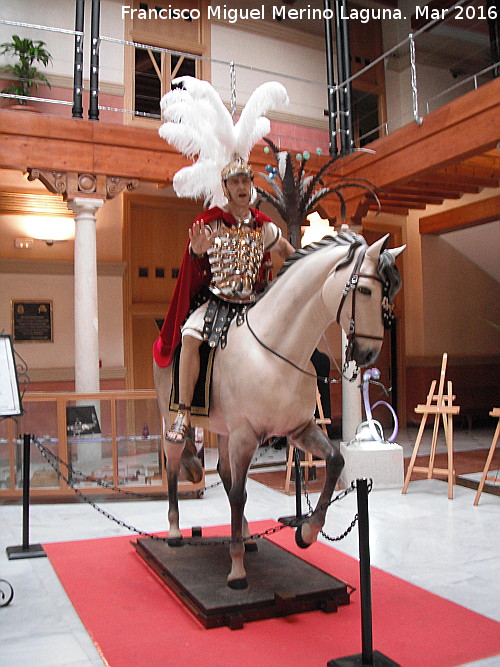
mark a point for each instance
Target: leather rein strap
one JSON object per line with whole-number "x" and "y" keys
{"x": 351, "y": 286}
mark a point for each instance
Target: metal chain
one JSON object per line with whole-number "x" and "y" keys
{"x": 46, "y": 453}
{"x": 78, "y": 473}
{"x": 414, "y": 89}
{"x": 232, "y": 76}
{"x": 43, "y": 450}
{"x": 339, "y": 496}
{"x": 270, "y": 531}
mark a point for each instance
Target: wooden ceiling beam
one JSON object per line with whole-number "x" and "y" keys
{"x": 465, "y": 172}
{"x": 435, "y": 192}
{"x": 483, "y": 165}
{"x": 471, "y": 215}
{"x": 467, "y": 126}
{"x": 49, "y": 142}
{"x": 410, "y": 197}
{"x": 386, "y": 208}
{"x": 401, "y": 201}
{"x": 446, "y": 184}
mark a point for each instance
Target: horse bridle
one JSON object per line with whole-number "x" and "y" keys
{"x": 351, "y": 286}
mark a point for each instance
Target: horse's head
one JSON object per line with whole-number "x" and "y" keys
{"x": 365, "y": 307}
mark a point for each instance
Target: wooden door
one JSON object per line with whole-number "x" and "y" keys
{"x": 155, "y": 235}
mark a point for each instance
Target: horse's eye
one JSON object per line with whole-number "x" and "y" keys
{"x": 365, "y": 290}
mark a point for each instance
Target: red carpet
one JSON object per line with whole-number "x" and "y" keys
{"x": 134, "y": 620}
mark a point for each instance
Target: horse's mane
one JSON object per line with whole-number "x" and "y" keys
{"x": 350, "y": 239}
{"x": 387, "y": 269}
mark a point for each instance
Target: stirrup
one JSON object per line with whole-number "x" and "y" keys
{"x": 178, "y": 427}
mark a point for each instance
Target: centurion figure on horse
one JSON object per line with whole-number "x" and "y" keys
{"x": 261, "y": 335}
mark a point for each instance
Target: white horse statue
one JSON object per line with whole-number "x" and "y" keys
{"x": 264, "y": 384}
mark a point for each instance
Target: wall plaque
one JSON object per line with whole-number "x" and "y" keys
{"x": 32, "y": 321}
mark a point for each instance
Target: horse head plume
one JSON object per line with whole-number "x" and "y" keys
{"x": 198, "y": 125}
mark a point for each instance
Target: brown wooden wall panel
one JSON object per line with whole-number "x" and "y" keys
{"x": 475, "y": 385}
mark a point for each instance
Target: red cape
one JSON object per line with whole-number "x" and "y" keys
{"x": 193, "y": 275}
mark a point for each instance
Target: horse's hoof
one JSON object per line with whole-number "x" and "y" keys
{"x": 175, "y": 542}
{"x": 238, "y": 584}
{"x": 298, "y": 538}
{"x": 251, "y": 547}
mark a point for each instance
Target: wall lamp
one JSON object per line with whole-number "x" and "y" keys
{"x": 50, "y": 229}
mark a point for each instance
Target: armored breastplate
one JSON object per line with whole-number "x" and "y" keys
{"x": 235, "y": 259}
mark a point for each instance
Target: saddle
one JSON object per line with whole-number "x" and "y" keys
{"x": 218, "y": 318}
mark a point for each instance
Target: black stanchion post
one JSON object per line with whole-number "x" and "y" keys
{"x": 368, "y": 656}
{"x": 26, "y": 550}
{"x": 294, "y": 521}
{"x": 298, "y": 490}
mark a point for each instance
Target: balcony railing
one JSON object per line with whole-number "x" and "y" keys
{"x": 413, "y": 54}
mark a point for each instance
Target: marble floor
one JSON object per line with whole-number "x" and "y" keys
{"x": 445, "y": 546}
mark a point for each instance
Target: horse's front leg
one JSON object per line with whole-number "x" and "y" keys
{"x": 173, "y": 452}
{"x": 313, "y": 440}
{"x": 242, "y": 446}
{"x": 224, "y": 470}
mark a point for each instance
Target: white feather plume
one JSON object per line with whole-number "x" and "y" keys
{"x": 267, "y": 96}
{"x": 198, "y": 124}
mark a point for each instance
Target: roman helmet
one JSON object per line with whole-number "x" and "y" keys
{"x": 237, "y": 166}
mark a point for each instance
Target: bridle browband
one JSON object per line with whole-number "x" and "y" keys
{"x": 350, "y": 285}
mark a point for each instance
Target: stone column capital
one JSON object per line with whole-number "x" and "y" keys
{"x": 71, "y": 184}
{"x": 85, "y": 205}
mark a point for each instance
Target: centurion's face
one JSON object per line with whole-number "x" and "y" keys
{"x": 239, "y": 188}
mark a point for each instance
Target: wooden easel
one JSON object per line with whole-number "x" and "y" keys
{"x": 494, "y": 413}
{"x": 441, "y": 406}
{"x": 308, "y": 458}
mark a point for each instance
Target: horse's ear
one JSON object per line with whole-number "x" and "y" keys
{"x": 395, "y": 252}
{"x": 375, "y": 249}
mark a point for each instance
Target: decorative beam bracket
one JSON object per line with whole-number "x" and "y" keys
{"x": 72, "y": 184}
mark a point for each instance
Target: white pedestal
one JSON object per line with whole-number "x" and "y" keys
{"x": 380, "y": 461}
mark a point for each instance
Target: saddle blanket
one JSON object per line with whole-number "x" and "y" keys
{"x": 200, "y": 405}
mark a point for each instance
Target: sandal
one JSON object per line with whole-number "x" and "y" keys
{"x": 180, "y": 430}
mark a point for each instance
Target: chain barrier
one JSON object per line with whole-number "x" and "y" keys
{"x": 50, "y": 457}
{"x": 53, "y": 460}
{"x": 339, "y": 496}
{"x": 46, "y": 453}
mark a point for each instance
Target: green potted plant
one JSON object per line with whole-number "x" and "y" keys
{"x": 24, "y": 73}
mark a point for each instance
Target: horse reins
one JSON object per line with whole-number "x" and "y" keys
{"x": 350, "y": 285}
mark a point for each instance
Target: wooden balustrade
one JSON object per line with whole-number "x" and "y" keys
{"x": 120, "y": 447}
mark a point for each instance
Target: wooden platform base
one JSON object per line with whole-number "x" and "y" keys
{"x": 280, "y": 583}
